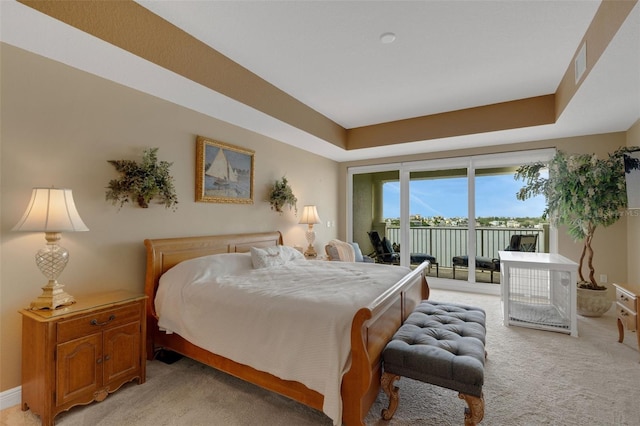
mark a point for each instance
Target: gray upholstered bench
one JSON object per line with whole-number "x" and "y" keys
{"x": 442, "y": 344}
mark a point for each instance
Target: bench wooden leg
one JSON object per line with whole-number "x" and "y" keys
{"x": 387, "y": 381}
{"x": 475, "y": 413}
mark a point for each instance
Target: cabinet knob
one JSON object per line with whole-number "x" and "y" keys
{"x": 106, "y": 358}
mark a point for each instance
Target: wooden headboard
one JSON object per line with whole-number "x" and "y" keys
{"x": 163, "y": 254}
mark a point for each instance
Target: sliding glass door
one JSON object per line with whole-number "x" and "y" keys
{"x": 457, "y": 212}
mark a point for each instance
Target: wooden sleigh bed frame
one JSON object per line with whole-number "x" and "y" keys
{"x": 372, "y": 326}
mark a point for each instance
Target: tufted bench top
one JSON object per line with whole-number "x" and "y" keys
{"x": 441, "y": 344}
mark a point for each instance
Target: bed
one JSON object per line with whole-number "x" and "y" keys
{"x": 372, "y": 326}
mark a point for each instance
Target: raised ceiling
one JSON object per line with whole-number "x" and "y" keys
{"x": 447, "y": 56}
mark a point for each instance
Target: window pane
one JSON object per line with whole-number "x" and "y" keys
{"x": 500, "y": 216}
{"x": 370, "y": 200}
{"x": 438, "y": 209}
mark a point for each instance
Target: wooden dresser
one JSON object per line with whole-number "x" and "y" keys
{"x": 81, "y": 353}
{"x": 627, "y": 310}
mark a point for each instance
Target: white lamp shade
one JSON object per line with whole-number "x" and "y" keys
{"x": 51, "y": 210}
{"x": 309, "y": 215}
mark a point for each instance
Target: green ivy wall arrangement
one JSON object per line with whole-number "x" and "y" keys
{"x": 281, "y": 195}
{"x": 141, "y": 182}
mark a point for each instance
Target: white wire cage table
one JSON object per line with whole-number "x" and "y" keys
{"x": 539, "y": 291}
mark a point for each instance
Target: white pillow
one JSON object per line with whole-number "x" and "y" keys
{"x": 214, "y": 265}
{"x": 357, "y": 253}
{"x": 291, "y": 253}
{"x": 273, "y": 256}
{"x": 230, "y": 263}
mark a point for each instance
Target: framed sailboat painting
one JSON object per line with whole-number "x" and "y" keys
{"x": 224, "y": 172}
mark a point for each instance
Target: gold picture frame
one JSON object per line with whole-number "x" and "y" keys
{"x": 224, "y": 172}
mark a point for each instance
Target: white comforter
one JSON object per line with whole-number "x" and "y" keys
{"x": 292, "y": 321}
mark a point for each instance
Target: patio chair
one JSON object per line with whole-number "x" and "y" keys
{"x": 518, "y": 242}
{"x": 484, "y": 264}
{"x": 384, "y": 253}
{"x": 522, "y": 242}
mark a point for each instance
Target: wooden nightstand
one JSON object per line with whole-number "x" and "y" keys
{"x": 627, "y": 310}
{"x": 80, "y": 353}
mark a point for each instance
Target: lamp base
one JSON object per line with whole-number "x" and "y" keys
{"x": 53, "y": 296}
{"x": 310, "y": 252}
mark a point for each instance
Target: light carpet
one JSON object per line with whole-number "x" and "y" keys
{"x": 532, "y": 377}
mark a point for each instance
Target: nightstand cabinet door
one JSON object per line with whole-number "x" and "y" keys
{"x": 78, "y": 369}
{"x": 121, "y": 357}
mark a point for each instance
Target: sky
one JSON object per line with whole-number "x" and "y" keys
{"x": 448, "y": 198}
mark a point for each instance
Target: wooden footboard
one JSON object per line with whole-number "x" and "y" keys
{"x": 372, "y": 326}
{"x": 371, "y": 330}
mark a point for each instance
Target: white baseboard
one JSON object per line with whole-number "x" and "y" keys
{"x": 10, "y": 397}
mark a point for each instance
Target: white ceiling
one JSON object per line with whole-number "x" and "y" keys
{"x": 448, "y": 55}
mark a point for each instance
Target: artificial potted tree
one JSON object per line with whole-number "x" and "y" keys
{"x": 140, "y": 182}
{"x": 582, "y": 192}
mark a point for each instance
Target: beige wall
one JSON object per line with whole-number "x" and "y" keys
{"x": 633, "y": 222}
{"x": 61, "y": 125}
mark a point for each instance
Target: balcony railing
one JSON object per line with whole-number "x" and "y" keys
{"x": 446, "y": 242}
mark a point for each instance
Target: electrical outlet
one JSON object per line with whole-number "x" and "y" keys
{"x": 603, "y": 279}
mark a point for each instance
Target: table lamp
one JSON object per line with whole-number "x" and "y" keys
{"x": 52, "y": 211}
{"x": 310, "y": 217}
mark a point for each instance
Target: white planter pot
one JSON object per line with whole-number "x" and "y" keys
{"x": 593, "y": 303}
